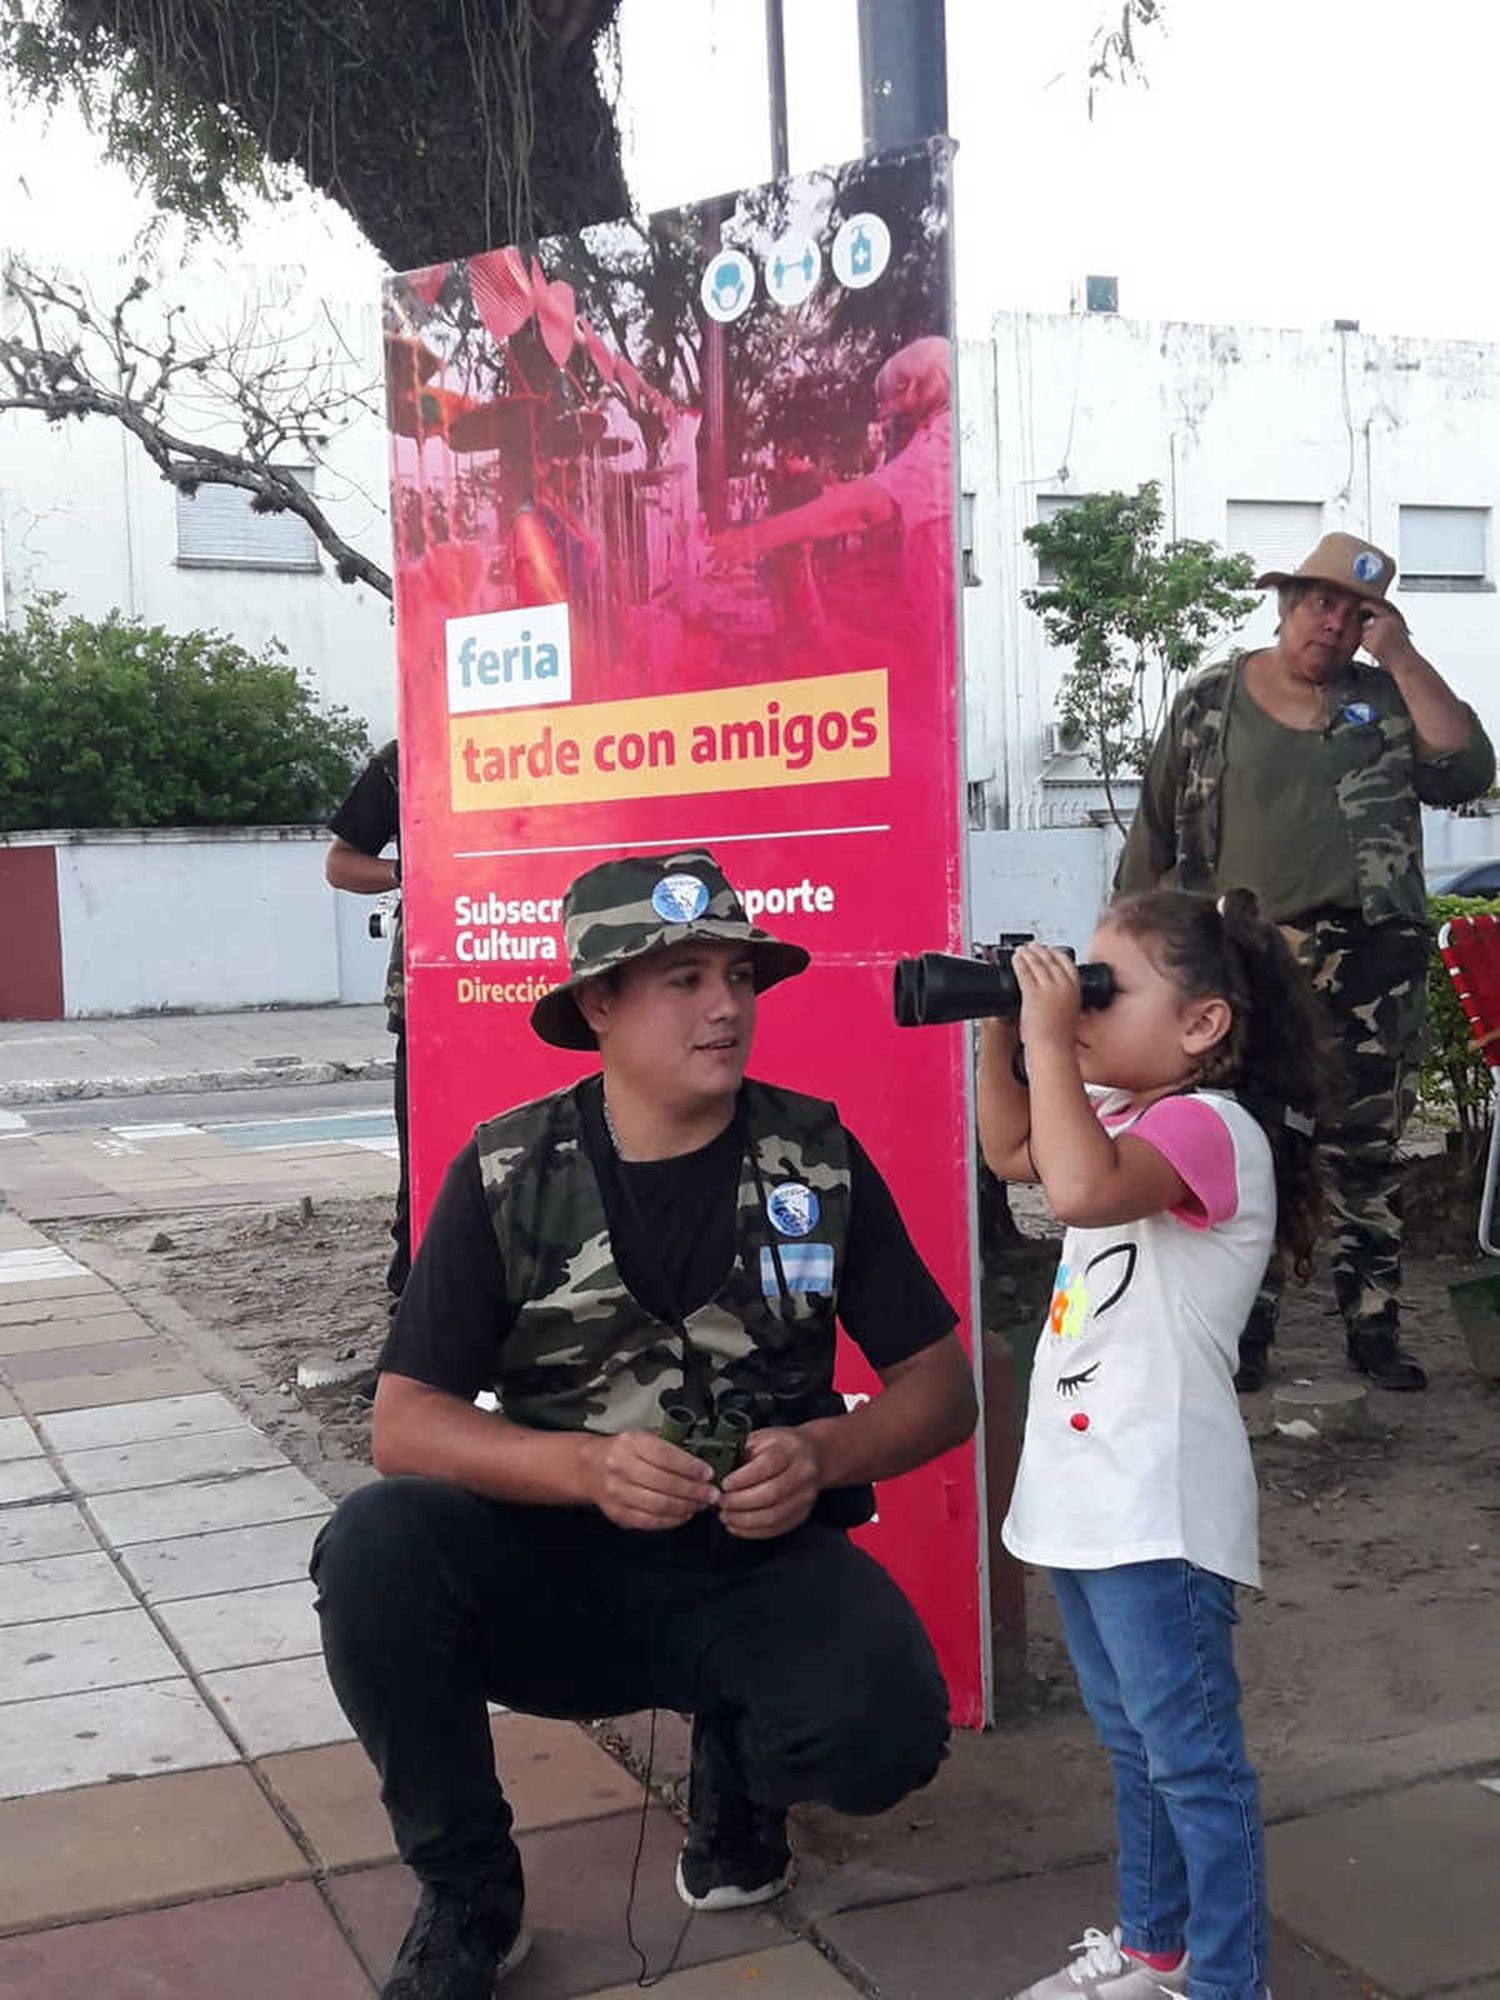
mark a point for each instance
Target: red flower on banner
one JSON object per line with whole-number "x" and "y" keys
{"x": 557, "y": 316}
{"x": 502, "y": 291}
{"x": 601, "y": 356}
{"x": 428, "y": 284}
{"x": 628, "y": 376}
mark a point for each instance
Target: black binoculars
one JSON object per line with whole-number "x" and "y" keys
{"x": 936, "y": 988}
{"x": 719, "y": 1440}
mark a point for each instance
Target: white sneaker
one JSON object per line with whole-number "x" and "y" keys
{"x": 1101, "y": 1971}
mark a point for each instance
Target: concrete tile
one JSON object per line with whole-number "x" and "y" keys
{"x": 196, "y": 1507}
{"x": 1000, "y": 1936}
{"x": 61, "y": 1587}
{"x": 99, "y": 1358}
{"x": 58, "y": 1333}
{"x": 245, "y": 1627}
{"x": 56, "y": 1528}
{"x": 17, "y": 1440}
{"x": 135, "y": 1423}
{"x": 1401, "y": 1886}
{"x": 239, "y": 1559}
{"x": 30, "y": 1312}
{"x": 117, "y": 1847}
{"x": 27, "y": 1479}
{"x": 38, "y": 1263}
{"x": 795, "y": 1972}
{"x": 553, "y": 1774}
{"x": 9, "y": 1407}
{"x": 90, "y": 1739}
{"x": 283, "y": 1705}
{"x": 280, "y": 1941}
{"x": 577, "y": 1878}
{"x": 125, "y": 1468}
{"x": 96, "y": 1650}
{"x": 29, "y": 1291}
{"x": 150, "y": 1383}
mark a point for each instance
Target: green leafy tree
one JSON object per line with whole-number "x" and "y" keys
{"x": 117, "y": 723}
{"x": 1136, "y": 613}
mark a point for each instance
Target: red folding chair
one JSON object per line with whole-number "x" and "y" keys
{"x": 1471, "y": 951}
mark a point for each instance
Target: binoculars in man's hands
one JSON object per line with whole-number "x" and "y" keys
{"x": 936, "y": 988}
{"x": 719, "y": 1440}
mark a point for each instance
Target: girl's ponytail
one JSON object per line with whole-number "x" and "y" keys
{"x": 1276, "y": 1057}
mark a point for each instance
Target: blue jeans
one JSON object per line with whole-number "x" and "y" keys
{"x": 1153, "y": 1646}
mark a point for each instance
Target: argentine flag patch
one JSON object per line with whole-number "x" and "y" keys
{"x": 807, "y": 1267}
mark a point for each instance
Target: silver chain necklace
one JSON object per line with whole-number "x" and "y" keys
{"x": 609, "y": 1126}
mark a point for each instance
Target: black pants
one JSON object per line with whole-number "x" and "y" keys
{"x": 399, "y": 1268}
{"x": 433, "y": 1600}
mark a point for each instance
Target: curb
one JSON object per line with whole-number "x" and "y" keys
{"x": 60, "y": 1090}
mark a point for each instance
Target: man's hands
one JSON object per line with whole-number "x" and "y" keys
{"x": 774, "y": 1488}
{"x": 640, "y": 1481}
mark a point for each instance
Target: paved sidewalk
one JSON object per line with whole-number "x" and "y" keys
{"x": 144, "y": 1054}
{"x": 182, "y": 1811}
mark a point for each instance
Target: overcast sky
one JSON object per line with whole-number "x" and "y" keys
{"x": 1286, "y": 162}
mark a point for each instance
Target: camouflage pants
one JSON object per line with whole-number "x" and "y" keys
{"x": 1373, "y": 985}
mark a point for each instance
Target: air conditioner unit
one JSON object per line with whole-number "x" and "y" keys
{"x": 1061, "y": 739}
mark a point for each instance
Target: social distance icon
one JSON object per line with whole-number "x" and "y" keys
{"x": 793, "y": 265}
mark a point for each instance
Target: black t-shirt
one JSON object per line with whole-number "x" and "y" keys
{"x": 370, "y": 817}
{"x": 672, "y": 1229}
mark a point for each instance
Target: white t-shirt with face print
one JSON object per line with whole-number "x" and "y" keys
{"x": 1135, "y": 1450}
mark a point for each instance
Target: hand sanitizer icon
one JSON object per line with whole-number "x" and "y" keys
{"x": 859, "y": 253}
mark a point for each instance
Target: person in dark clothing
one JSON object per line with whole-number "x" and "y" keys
{"x": 643, "y": 1268}
{"x": 365, "y": 825}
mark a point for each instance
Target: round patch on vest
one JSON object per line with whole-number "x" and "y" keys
{"x": 793, "y": 1208}
{"x": 679, "y": 899}
{"x": 1367, "y": 565}
{"x": 1359, "y": 711}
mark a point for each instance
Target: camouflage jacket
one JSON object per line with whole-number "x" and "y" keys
{"x": 1382, "y": 774}
{"x": 583, "y": 1354}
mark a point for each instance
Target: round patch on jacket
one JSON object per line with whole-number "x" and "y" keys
{"x": 679, "y": 899}
{"x": 1359, "y": 711}
{"x": 793, "y": 1208}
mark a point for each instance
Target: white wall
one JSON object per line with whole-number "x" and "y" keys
{"x": 206, "y": 920}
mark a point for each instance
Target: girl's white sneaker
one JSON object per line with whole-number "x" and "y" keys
{"x": 1101, "y": 1971}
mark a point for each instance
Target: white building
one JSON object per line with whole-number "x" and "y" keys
{"x": 1261, "y": 441}
{"x": 83, "y": 512}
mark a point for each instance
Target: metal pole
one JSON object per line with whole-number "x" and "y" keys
{"x": 776, "y": 77}
{"x": 903, "y": 68}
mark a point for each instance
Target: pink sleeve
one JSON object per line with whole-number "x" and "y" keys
{"x": 1196, "y": 1140}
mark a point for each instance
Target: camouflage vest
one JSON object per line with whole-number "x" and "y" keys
{"x": 1373, "y": 750}
{"x": 583, "y": 1354}
{"x": 395, "y": 966}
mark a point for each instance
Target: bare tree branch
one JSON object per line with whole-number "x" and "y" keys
{"x": 67, "y": 358}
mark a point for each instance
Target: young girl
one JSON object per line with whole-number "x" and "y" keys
{"x": 1172, "y": 1133}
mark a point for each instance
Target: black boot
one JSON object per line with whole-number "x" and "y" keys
{"x": 459, "y": 1943}
{"x": 736, "y": 1853}
{"x": 1255, "y": 1365}
{"x": 1377, "y": 1353}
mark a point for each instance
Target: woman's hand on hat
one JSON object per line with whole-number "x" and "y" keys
{"x": 774, "y": 1488}
{"x": 1385, "y": 636}
{"x": 638, "y": 1480}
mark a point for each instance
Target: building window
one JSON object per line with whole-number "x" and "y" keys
{"x": 1445, "y": 548}
{"x": 217, "y": 528}
{"x": 1048, "y": 507}
{"x": 1275, "y": 534}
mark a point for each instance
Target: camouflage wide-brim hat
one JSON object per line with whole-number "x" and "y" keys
{"x": 624, "y": 910}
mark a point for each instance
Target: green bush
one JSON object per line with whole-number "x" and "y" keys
{"x": 1455, "y": 1087}
{"x": 116, "y": 723}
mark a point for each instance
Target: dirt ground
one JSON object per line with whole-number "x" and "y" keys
{"x": 1380, "y": 1615}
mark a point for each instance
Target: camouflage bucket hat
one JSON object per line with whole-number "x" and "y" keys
{"x": 624, "y": 910}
